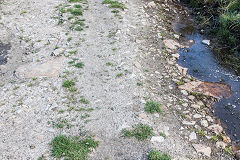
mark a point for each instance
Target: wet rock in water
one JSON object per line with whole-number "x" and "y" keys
{"x": 171, "y": 44}
{"x": 51, "y": 68}
{"x": 203, "y": 149}
{"x": 216, "y": 90}
{"x": 207, "y": 42}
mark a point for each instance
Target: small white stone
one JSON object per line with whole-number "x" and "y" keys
{"x": 221, "y": 145}
{"x": 184, "y": 92}
{"x": 209, "y": 119}
{"x": 192, "y": 136}
{"x": 189, "y": 123}
{"x": 204, "y": 123}
{"x": 158, "y": 139}
{"x": 197, "y": 116}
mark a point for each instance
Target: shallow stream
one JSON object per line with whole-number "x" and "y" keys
{"x": 204, "y": 65}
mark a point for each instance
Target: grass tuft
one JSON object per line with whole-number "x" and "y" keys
{"x": 156, "y": 155}
{"x": 114, "y": 4}
{"x": 72, "y": 148}
{"x": 140, "y": 132}
{"x": 68, "y": 84}
{"x": 153, "y": 107}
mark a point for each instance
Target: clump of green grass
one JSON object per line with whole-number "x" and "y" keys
{"x": 68, "y": 84}
{"x": 71, "y": 1}
{"x": 153, "y": 107}
{"x": 109, "y": 64}
{"x": 75, "y": 12}
{"x": 79, "y": 65}
{"x": 156, "y": 155}
{"x": 119, "y": 75}
{"x": 84, "y": 101}
{"x": 72, "y": 148}
{"x": 181, "y": 82}
{"x": 140, "y": 132}
{"x": 114, "y": 4}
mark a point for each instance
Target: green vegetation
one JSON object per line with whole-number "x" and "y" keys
{"x": 114, "y": 4}
{"x": 68, "y": 84}
{"x": 79, "y": 65}
{"x": 140, "y": 132}
{"x": 153, "y": 107}
{"x": 156, "y": 155}
{"x": 221, "y": 18}
{"x": 72, "y": 148}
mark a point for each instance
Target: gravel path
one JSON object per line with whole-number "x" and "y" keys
{"x": 115, "y": 67}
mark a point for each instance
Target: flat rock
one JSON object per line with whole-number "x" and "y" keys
{"x": 158, "y": 139}
{"x": 216, "y": 90}
{"x": 51, "y": 68}
{"x": 171, "y": 44}
{"x": 188, "y": 123}
{"x": 203, "y": 149}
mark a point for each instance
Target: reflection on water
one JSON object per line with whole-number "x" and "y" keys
{"x": 205, "y": 66}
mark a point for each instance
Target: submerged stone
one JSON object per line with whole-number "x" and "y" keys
{"x": 216, "y": 90}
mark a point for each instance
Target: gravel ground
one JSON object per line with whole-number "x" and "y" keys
{"x": 118, "y": 52}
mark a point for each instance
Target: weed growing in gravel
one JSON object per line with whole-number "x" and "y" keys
{"x": 84, "y": 101}
{"x": 79, "y": 65}
{"x": 72, "y": 148}
{"x": 163, "y": 134}
{"x": 68, "y": 84}
{"x": 119, "y": 75}
{"x": 140, "y": 132}
{"x": 153, "y": 107}
{"x": 75, "y": 12}
{"x": 109, "y": 64}
{"x": 69, "y": 39}
{"x": 114, "y": 4}
{"x": 75, "y": 1}
{"x": 181, "y": 82}
{"x": 156, "y": 155}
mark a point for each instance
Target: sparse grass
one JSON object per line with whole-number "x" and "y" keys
{"x": 119, "y": 75}
{"x": 140, "y": 132}
{"x": 79, "y": 65}
{"x": 153, "y": 107}
{"x": 69, "y": 39}
{"x": 109, "y": 64}
{"x": 72, "y": 148}
{"x": 68, "y": 84}
{"x": 163, "y": 134}
{"x": 201, "y": 132}
{"x": 75, "y": 12}
{"x": 181, "y": 82}
{"x": 114, "y": 4}
{"x": 156, "y": 155}
{"x": 84, "y": 101}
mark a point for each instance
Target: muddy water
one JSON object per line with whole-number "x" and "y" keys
{"x": 3, "y": 52}
{"x": 205, "y": 66}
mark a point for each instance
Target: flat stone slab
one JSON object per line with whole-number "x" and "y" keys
{"x": 217, "y": 90}
{"x": 51, "y": 68}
